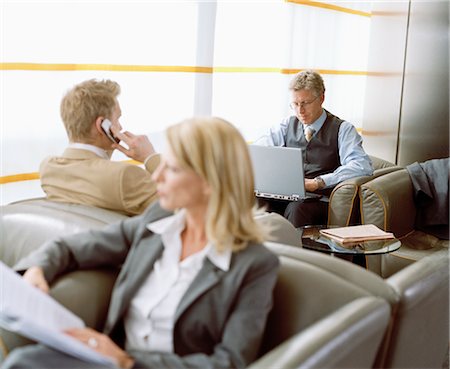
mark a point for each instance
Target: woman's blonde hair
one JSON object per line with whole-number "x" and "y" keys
{"x": 84, "y": 103}
{"x": 216, "y": 151}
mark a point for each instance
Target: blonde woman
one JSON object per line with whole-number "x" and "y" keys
{"x": 196, "y": 284}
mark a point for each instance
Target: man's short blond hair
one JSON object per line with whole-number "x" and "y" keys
{"x": 308, "y": 80}
{"x": 216, "y": 151}
{"x": 84, "y": 103}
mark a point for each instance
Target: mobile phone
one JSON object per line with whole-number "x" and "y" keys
{"x": 106, "y": 126}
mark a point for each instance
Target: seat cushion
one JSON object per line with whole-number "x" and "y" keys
{"x": 415, "y": 246}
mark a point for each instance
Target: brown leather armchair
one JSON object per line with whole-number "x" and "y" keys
{"x": 344, "y": 209}
{"x": 320, "y": 319}
{"x": 418, "y": 331}
{"x": 388, "y": 202}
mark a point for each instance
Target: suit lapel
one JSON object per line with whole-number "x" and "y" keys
{"x": 141, "y": 262}
{"x": 208, "y": 277}
{"x": 141, "y": 258}
{"x": 134, "y": 271}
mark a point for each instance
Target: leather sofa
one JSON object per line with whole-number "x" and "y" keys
{"x": 25, "y": 225}
{"x": 388, "y": 202}
{"x": 344, "y": 205}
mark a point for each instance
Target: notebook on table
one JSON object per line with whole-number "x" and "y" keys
{"x": 279, "y": 173}
{"x": 357, "y": 233}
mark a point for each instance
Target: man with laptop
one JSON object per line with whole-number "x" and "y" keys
{"x": 331, "y": 150}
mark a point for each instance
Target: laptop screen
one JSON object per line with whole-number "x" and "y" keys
{"x": 278, "y": 172}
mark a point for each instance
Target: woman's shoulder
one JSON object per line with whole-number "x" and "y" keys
{"x": 257, "y": 254}
{"x": 153, "y": 213}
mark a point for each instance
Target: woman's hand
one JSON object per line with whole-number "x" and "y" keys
{"x": 35, "y": 276}
{"x": 103, "y": 345}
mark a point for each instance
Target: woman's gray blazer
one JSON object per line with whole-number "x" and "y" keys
{"x": 220, "y": 320}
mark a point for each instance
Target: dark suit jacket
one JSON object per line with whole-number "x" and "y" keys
{"x": 430, "y": 181}
{"x": 220, "y": 320}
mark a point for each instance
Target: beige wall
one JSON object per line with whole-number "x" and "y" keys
{"x": 406, "y": 112}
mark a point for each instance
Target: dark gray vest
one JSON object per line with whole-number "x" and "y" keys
{"x": 321, "y": 154}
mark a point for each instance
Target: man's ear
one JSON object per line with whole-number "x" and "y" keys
{"x": 98, "y": 124}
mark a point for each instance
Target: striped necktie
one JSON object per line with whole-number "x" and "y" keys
{"x": 309, "y": 133}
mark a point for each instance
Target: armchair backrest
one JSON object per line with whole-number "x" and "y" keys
{"x": 379, "y": 163}
{"x": 25, "y": 225}
{"x": 280, "y": 229}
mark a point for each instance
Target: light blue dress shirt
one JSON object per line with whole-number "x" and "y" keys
{"x": 354, "y": 160}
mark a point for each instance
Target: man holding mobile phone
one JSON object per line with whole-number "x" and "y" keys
{"x": 84, "y": 173}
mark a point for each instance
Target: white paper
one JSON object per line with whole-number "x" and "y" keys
{"x": 30, "y": 312}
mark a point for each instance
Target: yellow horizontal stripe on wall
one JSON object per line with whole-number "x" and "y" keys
{"x": 284, "y": 70}
{"x": 19, "y": 177}
{"x": 377, "y": 133}
{"x": 338, "y": 8}
{"x": 329, "y": 71}
{"x": 104, "y": 67}
{"x": 246, "y": 70}
{"x": 162, "y": 68}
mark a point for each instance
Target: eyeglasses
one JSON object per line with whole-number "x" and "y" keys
{"x": 303, "y": 104}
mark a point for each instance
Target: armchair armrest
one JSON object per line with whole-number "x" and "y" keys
{"x": 388, "y": 202}
{"x": 343, "y": 207}
{"x": 331, "y": 343}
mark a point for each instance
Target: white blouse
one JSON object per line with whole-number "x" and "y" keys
{"x": 150, "y": 318}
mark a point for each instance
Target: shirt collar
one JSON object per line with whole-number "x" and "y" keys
{"x": 318, "y": 123}
{"x": 175, "y": 224}
{"x": 96, "y": 150}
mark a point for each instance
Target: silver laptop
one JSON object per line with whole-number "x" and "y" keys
{"x": 279, "y": 174}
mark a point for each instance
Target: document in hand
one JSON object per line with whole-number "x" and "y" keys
{"x": 46, "y": 321}
{"x": 358, "y": 233}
